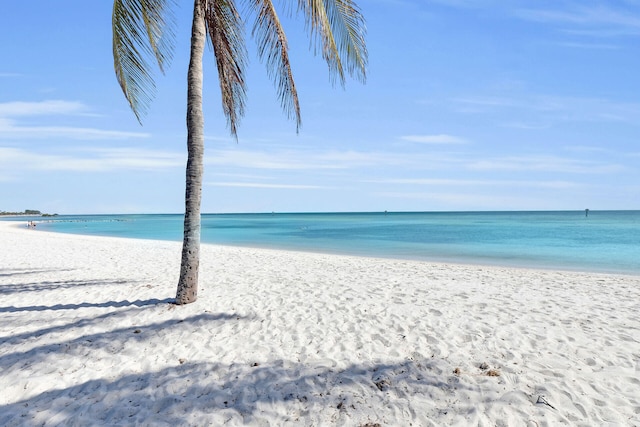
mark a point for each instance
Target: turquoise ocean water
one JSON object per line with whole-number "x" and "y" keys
{"x": 606, "y": 241}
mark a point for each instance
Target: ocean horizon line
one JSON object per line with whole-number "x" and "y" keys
{"x": 480, "y": 211}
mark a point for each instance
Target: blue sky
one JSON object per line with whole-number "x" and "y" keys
{"x": 468, "y": 105}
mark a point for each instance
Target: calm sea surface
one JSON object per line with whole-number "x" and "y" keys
{"x": 607, "y": 241}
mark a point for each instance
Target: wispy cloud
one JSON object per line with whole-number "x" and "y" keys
{"x": 9, "y": 130}
{"x": 485, "y": 104}
{"x": 543, "y": 164}
{"x": 584, "y": 15}
{"x": 434, "y": 139}
{"x": 40, "y": 108}
{"x": 466, "y": 4}
{"x": 300, "y": 159}
{"x": 601, "y": 46}
{"x": 10, "y": 127}
{"x": 600, "y": 20}
{"x": 553, "y": 109}
{"x": 90, "y": 160}
{"x": 588, "y": 149}
{"x": 241, "y": 176}
{"x": 284, "y": 160}
{"x": 364, "y": 163}
{"x": 265, "y": 185}
{"x": 435, "y": 182}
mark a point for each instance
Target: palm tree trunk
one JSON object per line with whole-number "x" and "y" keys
{"x": 188, "y": 282}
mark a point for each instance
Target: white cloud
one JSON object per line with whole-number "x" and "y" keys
{"x": 588, "y": 149}
{"x": 137, "y": 158}
{"x": 525, "y": 126}
{"x": 285, "y": 160}
{"x": 543, "y": 164}
{"x": 598, "y": 15}
{"x": 241, "y": 176}
{"x": 485, "y": 104}
{"x": 263, "y": 185}
{"x": 549, "y": 108}
{"x": 474, "y": 183}
{"x": 50, "y": 107}
{"x": 245, "y": 162}
{"x": 93, "y": 160}
{"x": 603, "y": 21}
{"x": 602, "y": 46}
{"x": 434, "y": 139}
{"x": 11, "y": 128}
{"x": 300, "y": 160}
{"x": 467, "y": 4}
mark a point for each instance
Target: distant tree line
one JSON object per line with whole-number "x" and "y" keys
{"x": 27, "y": 212}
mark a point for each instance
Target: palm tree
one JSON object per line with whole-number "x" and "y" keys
{"x": 143, "y": 29}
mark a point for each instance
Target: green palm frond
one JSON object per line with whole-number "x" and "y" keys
{"x": 349, "y": 26}
{"x": 225, "y": 30}
{"x": 339, "y": 27}
{"x": 274, "y": 51}
{"x": 141, "y": 29}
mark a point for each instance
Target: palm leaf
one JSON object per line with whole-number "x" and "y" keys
{"x": 349, "y": 26}
{"x": 225, "y": 32}
{"x": 338, "y": 26}
{"x": 274, "y": 51}
{"x": 141, "y": 29}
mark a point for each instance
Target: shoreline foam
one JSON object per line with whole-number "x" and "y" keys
{"x": 89, "y": 336}
{"x": 466, "y": 260}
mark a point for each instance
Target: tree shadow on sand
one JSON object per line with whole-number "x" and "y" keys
{"x": 106, "y": 304}
{"x": 14, "y": 288}
{"x": 11, "y": 272}
{"x": 240, "y": 394}
{"x": 83, "y": 344}
{"x": 202, "y": 392}
{"x": 86, "y": 322}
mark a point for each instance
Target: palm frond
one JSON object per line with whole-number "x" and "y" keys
{"x": 141, "y": 29}
{"x": 350, "y": 27}
{"x": 274, "y": 51}
{"x": 225, "y": 32}
{"x": 339, "y": 27}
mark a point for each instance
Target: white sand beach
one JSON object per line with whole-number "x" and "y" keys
{"x": 88, "y": 336}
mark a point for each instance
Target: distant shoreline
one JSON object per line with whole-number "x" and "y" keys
{"x": 21, "y": 214}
